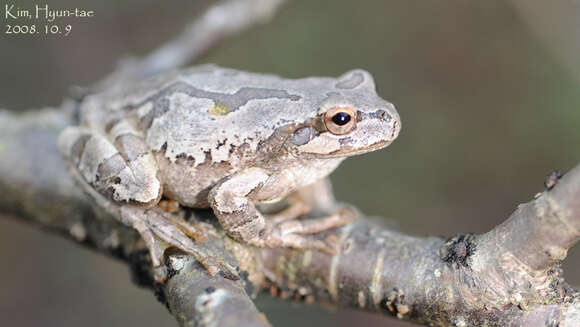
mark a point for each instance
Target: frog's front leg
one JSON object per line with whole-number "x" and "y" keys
{"x": 231, "y": 200}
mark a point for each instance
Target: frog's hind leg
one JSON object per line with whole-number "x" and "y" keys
{"x": 121, "y": 177}
{"x": 159, "y": 230}
{"x": 122, "y": 169}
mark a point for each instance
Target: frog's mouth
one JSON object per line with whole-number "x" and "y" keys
{"x": 348, "y": 151}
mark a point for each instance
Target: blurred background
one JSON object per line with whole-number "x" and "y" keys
{"x": 488, "y": 92}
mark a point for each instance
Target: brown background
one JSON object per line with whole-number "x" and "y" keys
{"x": 488, "y": 93}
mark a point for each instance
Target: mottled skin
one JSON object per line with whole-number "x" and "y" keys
{"x": 225, "y": 139}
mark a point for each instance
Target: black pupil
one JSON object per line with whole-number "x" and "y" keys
{"x": 341, "y": 118}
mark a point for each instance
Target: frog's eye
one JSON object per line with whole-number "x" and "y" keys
{"x": 340, "y": 120}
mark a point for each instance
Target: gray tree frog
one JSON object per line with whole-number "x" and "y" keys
{"x": 211, "y": 137}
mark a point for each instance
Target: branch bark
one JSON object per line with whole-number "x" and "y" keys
{"x": 509, "y": 276}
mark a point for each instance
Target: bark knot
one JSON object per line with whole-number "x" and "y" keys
{"x": 457, "y": 250}
{"x": 395, "y": 303}
{"x": 552, "y": 179}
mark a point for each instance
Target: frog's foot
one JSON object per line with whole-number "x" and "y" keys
{"x": 198, "y": 233}
{"x": 298, "y": 233}
{"x": 160, "y": 231}
{"x": 295, "y": 210}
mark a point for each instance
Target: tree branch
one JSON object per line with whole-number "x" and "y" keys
{"x": 540, "y": 232}
{"x": 509, "y": 276}
{"x": 502, "y": 278}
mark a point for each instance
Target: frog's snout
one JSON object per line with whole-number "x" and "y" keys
{"x": 396, "y": 129}
{"x": 389, "y": 121}
{"x": 392, "y": 120}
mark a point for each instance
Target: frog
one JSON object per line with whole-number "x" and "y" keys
{"x": 229, "y": 140}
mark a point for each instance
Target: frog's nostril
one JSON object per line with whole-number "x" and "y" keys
{"x": 383, "y": 115}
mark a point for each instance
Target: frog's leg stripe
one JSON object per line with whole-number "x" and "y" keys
{"x": 122, "y": 170}
{"x": 131, "y": 147}
{"x": 130, "y": 143}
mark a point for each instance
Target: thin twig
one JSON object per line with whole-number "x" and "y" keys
{"x": 224, "y": 19}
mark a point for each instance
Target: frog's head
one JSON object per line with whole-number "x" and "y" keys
{"x": 351, "y": 119}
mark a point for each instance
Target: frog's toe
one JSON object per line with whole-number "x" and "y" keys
{"x": 198, "y": 233}
{"x": 161, "y": 230}
{"x": 156, "y": 252}
{"x": 299, "y": 233}
{"x": 295, "y": 210}
{"x": 316, "y": 225}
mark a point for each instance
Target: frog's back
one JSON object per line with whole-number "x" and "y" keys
{"x": 208, "y": 110}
